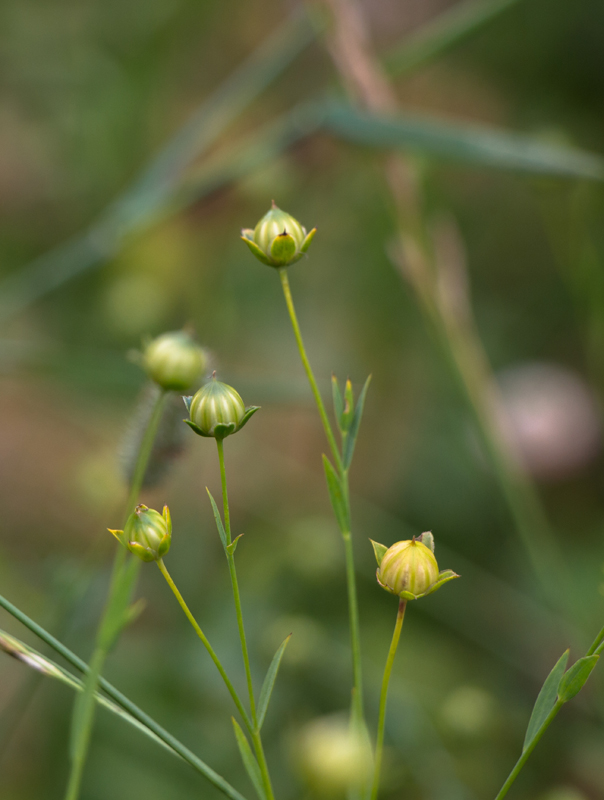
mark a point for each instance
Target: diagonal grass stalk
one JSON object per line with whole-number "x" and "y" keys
{"x": 43, "y": 666}
{"x": 123, "y": 576}
{"x": 379, "y": 744}
{"x": 255, "y": 731}
{"x": 353, "y": 605}
{"x": 123, "y": 701}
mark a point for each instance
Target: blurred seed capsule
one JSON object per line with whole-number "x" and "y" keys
{"x": 147, "y": 533}
{"x": 278, "y": 239}
{"x": 409, "y": 569}
{"x": 174, "y": 361}
{"x": 217, "y": 410}
{"x": 332, "y": 758}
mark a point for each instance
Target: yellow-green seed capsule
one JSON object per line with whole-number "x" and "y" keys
{"x": 278, "y": 239}
{"x": 217, "y": 410}
{"x": 409, "y": 569}
{"x": 174, "y": 361}
{"x": 147, "y": 533}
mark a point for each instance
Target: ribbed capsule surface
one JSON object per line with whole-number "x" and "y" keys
{"x": 274, "y": 223}
{"x": 408, "y": 566}
{"x": 174, "y": 361}
{"x": 147, "y": 533}
{"x": 216, "y": 403}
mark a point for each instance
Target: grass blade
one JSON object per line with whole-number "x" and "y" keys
{"x": 444, "y": 32}
{"x": 476, "y": 145}
{"x": 143, "y": 202}
{"x": 217, "y": 780}
{"x": 35, "y": 660}
{"x": 249, "y": 762}
{"x": 269, "y": 682}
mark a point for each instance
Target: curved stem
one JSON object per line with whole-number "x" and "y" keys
{"x": 379, "y": 746}
{"x": 524, "y": 757}
{"x": 309, "y": 373}
{"x": 255, "y": 733}
{"x": 85, "y": 705}
{"x": 206, "y": 643}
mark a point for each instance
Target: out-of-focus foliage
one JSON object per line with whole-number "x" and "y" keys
{"x": 90, "y": 92}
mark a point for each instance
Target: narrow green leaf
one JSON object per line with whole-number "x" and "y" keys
{"x": 269, "y": 682}
{"x": 354, "y": 426}
{"x": 249, "y": 761}
{"x": 336, "y": 495}
{"x": 338, "y": 403}
{"x": 218, "y": 518}
{"x": 471, "y": 144}
{"x": 546, "y": 700}
{"x": 574, "y": 680}
{"x": 233, "y": 545}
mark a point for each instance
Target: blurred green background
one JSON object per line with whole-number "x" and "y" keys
{"x": 90, "y": 92}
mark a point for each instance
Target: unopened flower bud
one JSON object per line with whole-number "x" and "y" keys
{"x": 278, "y": 239}
{"x": 409, "y": 569}
{"x": 217, "y": 410}
{"x": 147, "y": 533}
{"x": 174, "y": 361}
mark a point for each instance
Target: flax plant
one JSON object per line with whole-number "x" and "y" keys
{"x": 279, "y": 241}
{"x": 173, "y": 362}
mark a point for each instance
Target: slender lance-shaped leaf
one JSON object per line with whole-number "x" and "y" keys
{"x": 336, "y": 495}
{"x": 249, "y": 761}
{"x": 354, "y": 427}
{"x": 123, "y": 701}
{"x": 574, "y": 680}
{"x": 546, "y": 700}
{"x": 444, "y": 32}
{"x": 32, "y": 658}
{"x": 269, "y": 682}
{"x": 139, "y": 205}
{"x": 338, "y": 402}
{"x": 218, "y": 518}
{"x": 477, "y": 145}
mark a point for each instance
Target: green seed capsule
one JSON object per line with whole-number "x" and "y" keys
{"x": 174, "y": 361}
{"x": 409, "y": 569}
{"x": 147, "y": 533}
{"x": 278, "y": 239}
{"x": 217, "y": 410}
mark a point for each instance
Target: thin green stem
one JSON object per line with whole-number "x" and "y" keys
{"x": 206, "y": 644}
{"x": 309, "y": 373}
{"x": 355, "y": 635}
{"x": 255, "y": 733}
{"x": 234, "y": 581}
{"x": 379, "y": 745}
{"x": 85, "y": 705}
{"x": 524, "y": 757}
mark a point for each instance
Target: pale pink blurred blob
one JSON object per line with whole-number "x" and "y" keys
{"x": 550, "y": 418}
